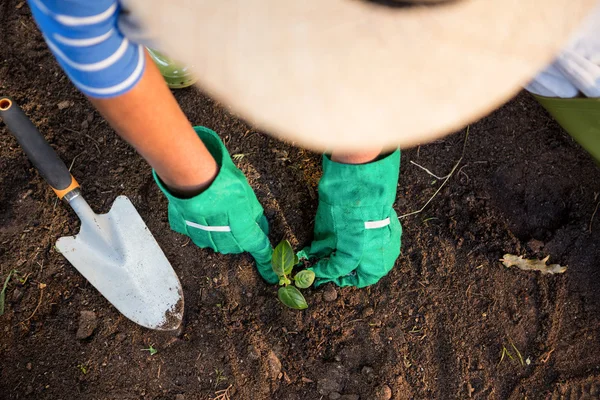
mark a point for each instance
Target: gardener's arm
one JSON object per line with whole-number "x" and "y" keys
{"x": 149, "y": 118}
{"x": 118, "y": 78}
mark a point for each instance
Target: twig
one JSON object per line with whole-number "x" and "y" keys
{"x": 42, "y": 286}
{"x": 443, "y": 183}
{"x": 428, "y": 171}
{"x": 547, "y": 356}
{"x": 593, "y": 215}
{"x": 222, "y": 394}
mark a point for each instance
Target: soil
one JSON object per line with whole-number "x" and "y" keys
{"x": 449, "y": 322}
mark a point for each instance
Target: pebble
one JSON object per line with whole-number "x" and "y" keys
{"x": 274, "y": 365}
{"x": 17, "y": 295}
{"x": 88, "y": 322}
{"x": 28, "y": 366}
{"x": 179, "y": 397}
{"x": 64, "y": 104}
{"x": 383, "y": 392}
{"x": 330, "y": 294}
{"x": 350, "y": 397}
{"x": 334, "y": 396}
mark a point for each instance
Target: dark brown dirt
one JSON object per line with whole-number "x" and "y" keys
{"x": 435, "y": 328}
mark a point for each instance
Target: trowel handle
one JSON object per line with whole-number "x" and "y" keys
{"x": 39, "y": 152}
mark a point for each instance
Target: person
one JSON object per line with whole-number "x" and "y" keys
{"x": 357, "y": 235}
{"x": 569, "y": 88}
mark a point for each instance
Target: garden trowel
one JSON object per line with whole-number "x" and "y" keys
{"x": 115, "y": 252}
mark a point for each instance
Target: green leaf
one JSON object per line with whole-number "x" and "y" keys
{"x": 284, "y": 259}
{"x": 3, "y": 292}
{"x": 291, "y": 297}
{"x": 304, "y": 279}
{"x": 151, "y": 350}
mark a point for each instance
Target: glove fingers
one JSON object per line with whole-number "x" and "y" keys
{"x": 252, "y": 239}
{"x": 337, "y": 265}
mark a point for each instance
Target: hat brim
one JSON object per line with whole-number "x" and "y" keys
{"x": 349, "y": 74}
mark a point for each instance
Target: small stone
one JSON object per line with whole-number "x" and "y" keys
{"x": 274, "y": 365}
{"x": 383, "y": 392}
{"x": 334, "y": 396}
{"x": 307, "y": 380}
{"x": 64, "y": 104}
{"x": 350, "y": 397}
{"x": 28, "y": 366}
{"x": 330, "y": 294}
{"x": 367, "y": 370}
{"x": 17, "y": 295}
{"x": 120, "y": 337}
{"x": 87, "y": 324}
{"x": 85, "y": 125}
{"x": 179, "y": 397}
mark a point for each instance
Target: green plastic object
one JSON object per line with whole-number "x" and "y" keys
{"x": 357, "y": 232}
{"x": 227, "y": 216}
{"x": 177, "y": 76}
{"x": 580, "y": 117}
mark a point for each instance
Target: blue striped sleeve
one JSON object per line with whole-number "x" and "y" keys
{"x": 84, "y": 37}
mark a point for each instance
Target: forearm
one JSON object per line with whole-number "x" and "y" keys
{"x": 149, "y": 118}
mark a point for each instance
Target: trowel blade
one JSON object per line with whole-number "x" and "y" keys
{"x": 117, "y": 254}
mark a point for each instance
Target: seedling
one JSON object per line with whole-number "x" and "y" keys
{"x": 83, "y": 368}
{"x": 151, "y": 350}
{"x": 3, "y": 292}
{"x": 283, "y": 263}
{"x": 506, "y": 352}
{"x": 220, "y": 377}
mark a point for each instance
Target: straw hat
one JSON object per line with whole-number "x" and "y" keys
{"x": 353, "y": 74}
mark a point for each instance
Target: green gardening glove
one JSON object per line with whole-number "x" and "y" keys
{"x": 227, "y": 216}
{"x": 357, "y": 232}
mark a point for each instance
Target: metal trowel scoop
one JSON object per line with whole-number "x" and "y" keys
{"x": 115, "y": 252}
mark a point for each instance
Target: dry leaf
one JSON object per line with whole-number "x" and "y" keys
{"x": 510, "y": 260}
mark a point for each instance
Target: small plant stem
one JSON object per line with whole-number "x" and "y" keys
{"x": 445, "y": 180}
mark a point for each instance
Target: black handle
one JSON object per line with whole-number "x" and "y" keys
{"x": 39, "y": 152}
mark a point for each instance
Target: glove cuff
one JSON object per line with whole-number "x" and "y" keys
{"x": 227, "y": 178}
{"x": 359, "y": 185}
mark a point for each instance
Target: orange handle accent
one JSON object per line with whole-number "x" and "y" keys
{"x": 62, "y": 192}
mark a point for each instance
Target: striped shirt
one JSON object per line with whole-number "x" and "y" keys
{"x": 84, "y": 37}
